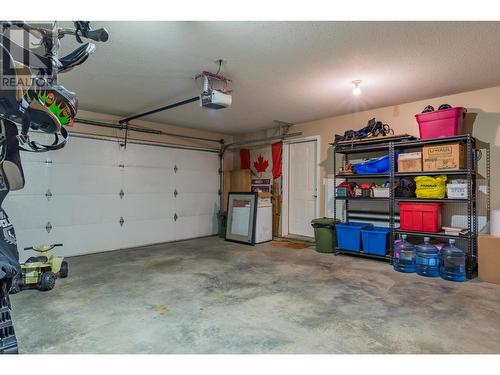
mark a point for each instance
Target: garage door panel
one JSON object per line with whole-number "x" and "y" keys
{"x": 85, "y": 239}
{"x": 206, "y": 224}
{"x": 36, "y": 176}
{"x": 149, "y": 156}
{"x": 187, "y": 160}
{"x": 26, "y": 211}
{"x": 147, "y": 180}
{"x": 85, "y": 179}
{"x": 192, "y": 204}
{"x": 70, "y": 210}
{"x": 147, "y": 206}
{"x": 145, "y": 232}
{"x": 84, "y": 151}
{"x": 194, "y": 226}
{"x": 27, "y": 157}
{"x": 197, "y": 182}
{"x": 183, "y": 228}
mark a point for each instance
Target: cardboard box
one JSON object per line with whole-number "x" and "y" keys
{"x": 410, "y": 162}
{"x": 444, "y": 157}
{"x": 241, "y": 180}
{"x": 489, "y": 258}
{"x": 264, "y": 199}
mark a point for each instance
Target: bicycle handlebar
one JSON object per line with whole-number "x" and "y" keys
{"x": 99, "y": 35}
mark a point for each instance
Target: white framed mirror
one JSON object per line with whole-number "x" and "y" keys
{"x": 241, "y": 216}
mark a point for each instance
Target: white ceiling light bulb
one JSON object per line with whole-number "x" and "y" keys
{"x": 356, "y": 90}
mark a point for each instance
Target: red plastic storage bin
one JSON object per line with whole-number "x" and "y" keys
{"x": 420, "y": 217}
{"x": 441, "y": 123}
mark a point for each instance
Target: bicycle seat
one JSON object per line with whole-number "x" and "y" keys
{"x": 77, "y": 57}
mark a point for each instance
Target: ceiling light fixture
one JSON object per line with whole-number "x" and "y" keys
{"x": 356, "y": 91}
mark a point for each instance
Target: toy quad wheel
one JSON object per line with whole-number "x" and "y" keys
{"x": 47, "y": 281}
{"x": 17, "y": 285}
{"x": 63, "y": 272}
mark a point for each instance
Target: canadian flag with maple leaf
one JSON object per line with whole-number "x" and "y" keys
{"x": 264, "y": 162}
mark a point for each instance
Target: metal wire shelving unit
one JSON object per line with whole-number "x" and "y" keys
{"x": 347, "y": 149}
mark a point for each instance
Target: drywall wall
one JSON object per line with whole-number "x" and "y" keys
{"x": 120, "y": 134}
{"x": 483, "y": 104}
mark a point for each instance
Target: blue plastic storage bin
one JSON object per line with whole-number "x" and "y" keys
{"x": 375, "y": 240}
{"x": 379, "y": 165}
{"x": 349, "y": 235}
{"x": 342, "y": 192}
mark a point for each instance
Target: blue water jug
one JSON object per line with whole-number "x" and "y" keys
{"x": 405, "y": 256}
{"x": 427, "y": 259}
{"x": 452, "y": 262}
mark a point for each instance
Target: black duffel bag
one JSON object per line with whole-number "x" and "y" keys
{"x": 405, "y": 188}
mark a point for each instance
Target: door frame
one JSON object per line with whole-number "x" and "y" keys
{"x": 286, "y": 174}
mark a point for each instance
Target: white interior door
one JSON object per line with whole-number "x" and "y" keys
{"x": 302, "y": 190}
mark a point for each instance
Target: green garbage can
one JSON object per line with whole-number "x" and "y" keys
{"x": 222, "y": 224}
{"x": 324, "y": 234}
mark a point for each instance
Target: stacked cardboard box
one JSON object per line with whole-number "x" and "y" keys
{"x": 410, "y": 162}
{"x": 444, "y": 157}
{"x": 489, "y": 258}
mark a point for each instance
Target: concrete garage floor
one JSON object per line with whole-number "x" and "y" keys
{"x": 211, "y": 296}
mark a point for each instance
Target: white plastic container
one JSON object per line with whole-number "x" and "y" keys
{"x": 380, "y": 192}
{"x": 456, "y": 191}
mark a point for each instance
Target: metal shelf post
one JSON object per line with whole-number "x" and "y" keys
{"x": 392, "y": 203}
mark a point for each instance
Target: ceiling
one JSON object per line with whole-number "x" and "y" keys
{"x": 288, "y": 71}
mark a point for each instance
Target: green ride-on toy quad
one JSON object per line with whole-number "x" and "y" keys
{"x": 40, "y": 272}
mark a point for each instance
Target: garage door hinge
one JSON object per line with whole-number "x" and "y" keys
{"x": 175, "y": 169}
{"x": 48, "y": 227}
{"x": 121, "y": 221}
{"x": 175, "y": 193}
{"x": 48, "y": 161}
{"x": 121, "y": 165}
{"x": 175, "y": 217}
{"x": 48, "y": 194}
{"x": 121, "y": 194}
{"x": 219, "y": 192}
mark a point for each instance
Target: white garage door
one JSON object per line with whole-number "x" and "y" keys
{"x": 72, "y": 196}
